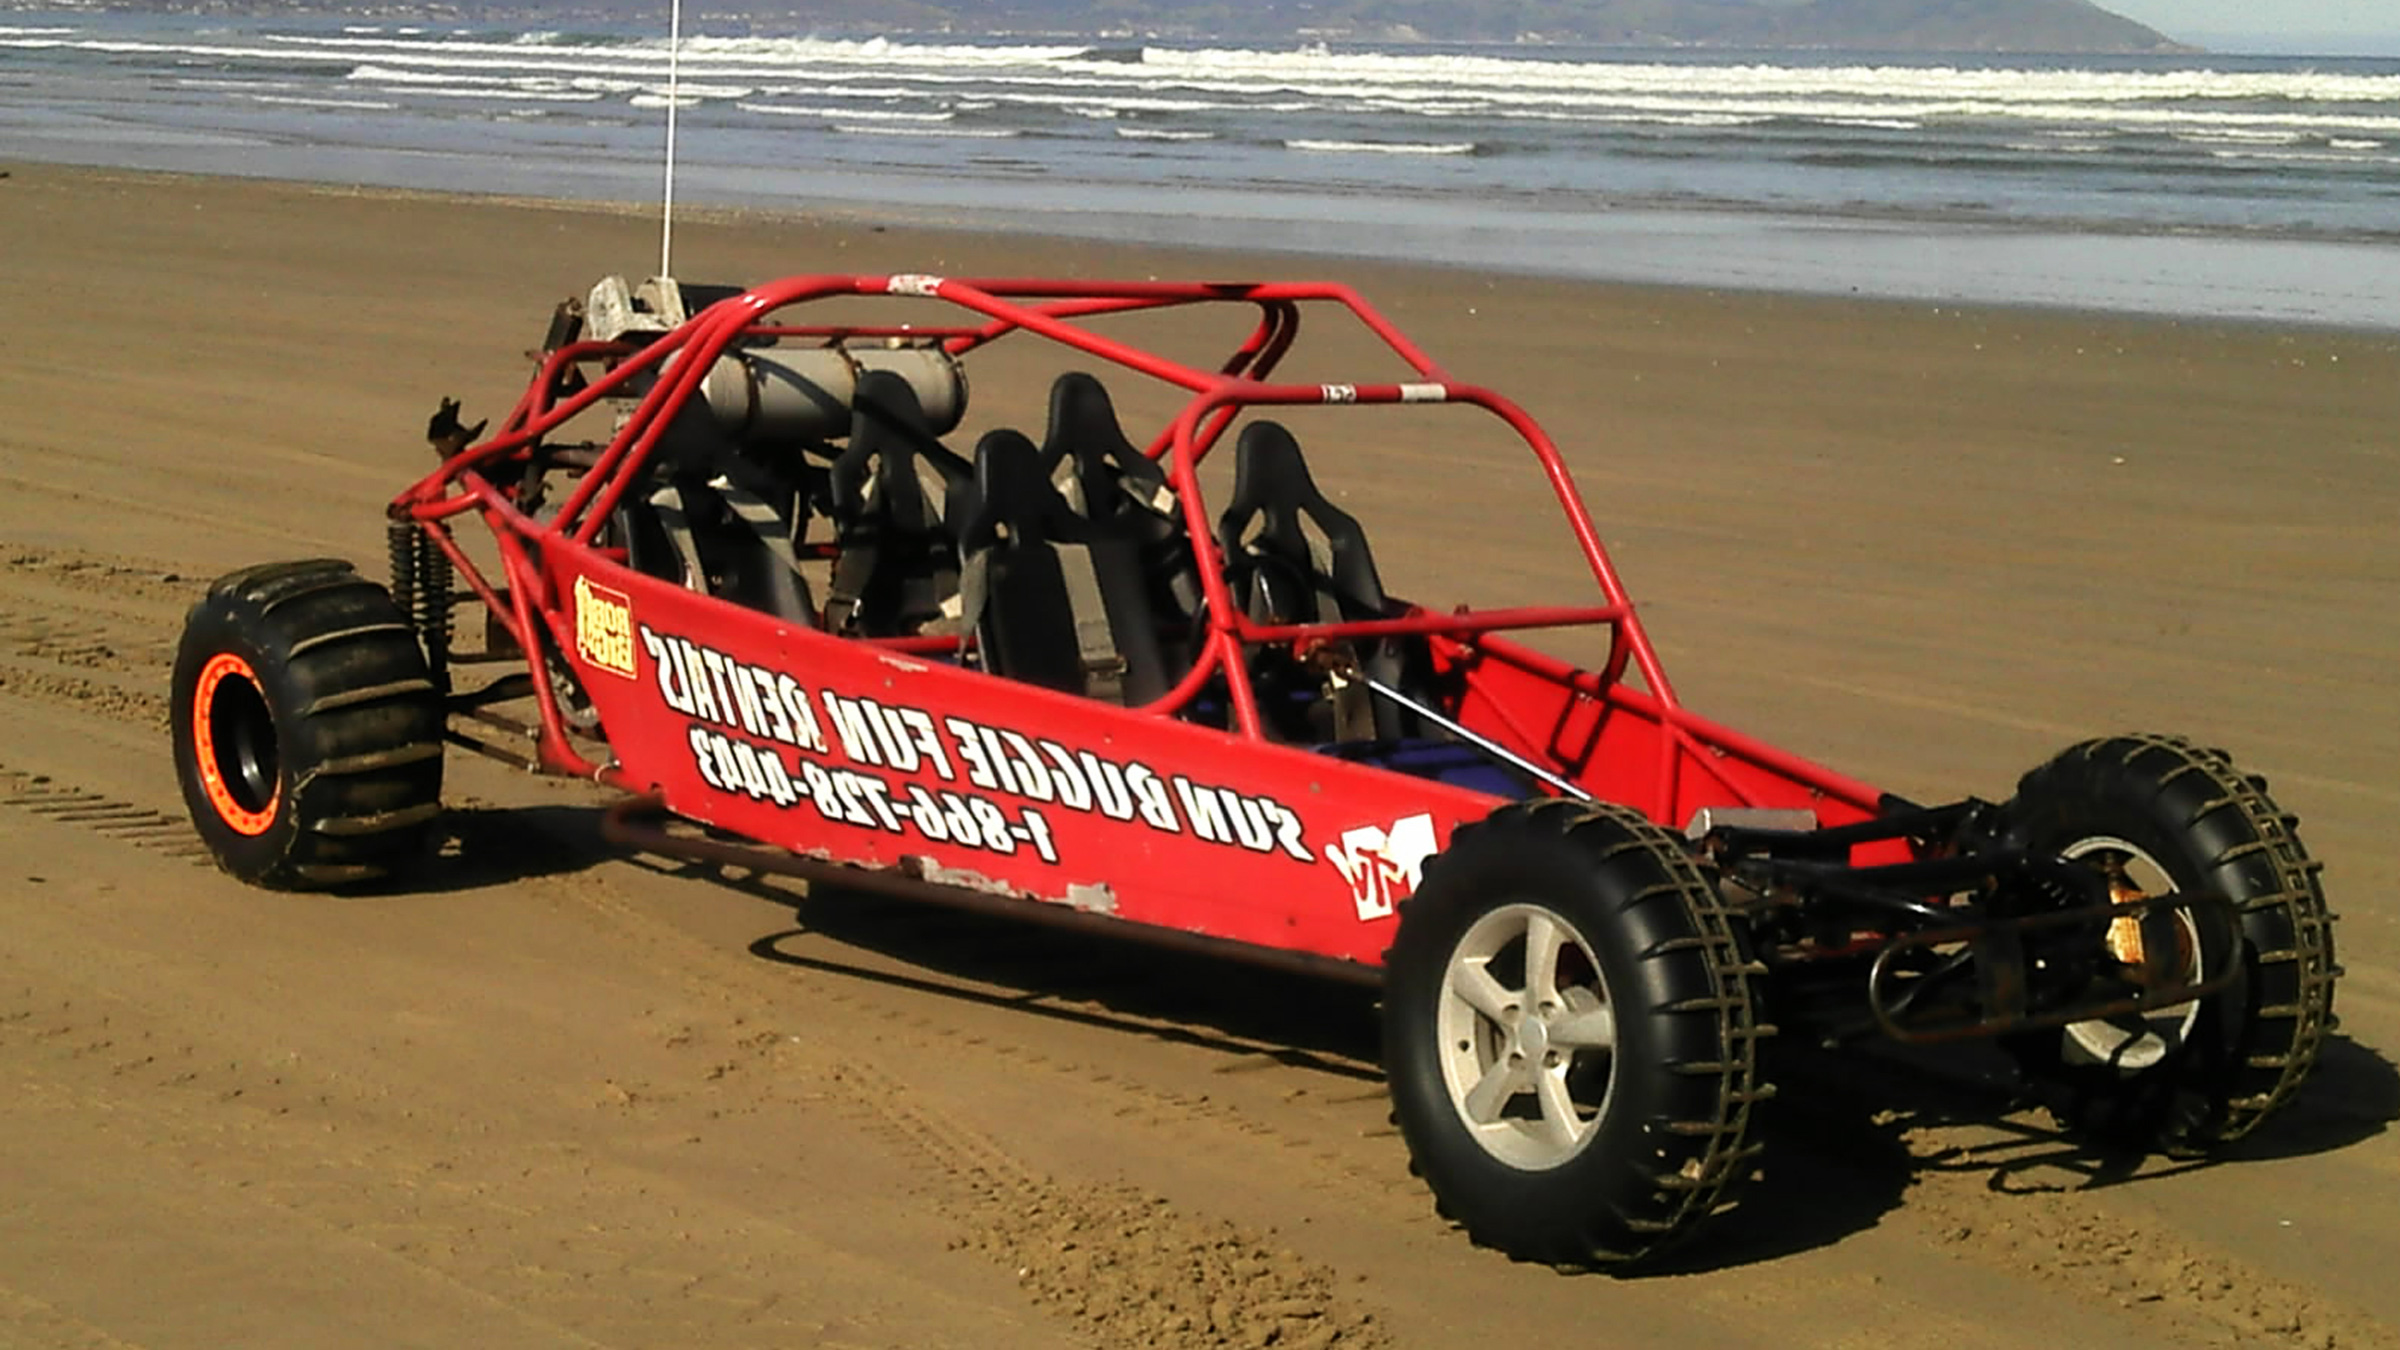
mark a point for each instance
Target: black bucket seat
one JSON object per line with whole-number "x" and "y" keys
{"x": 1054, "y": 598}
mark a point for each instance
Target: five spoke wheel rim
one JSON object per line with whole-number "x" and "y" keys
{"x": 1528, "y": 1036}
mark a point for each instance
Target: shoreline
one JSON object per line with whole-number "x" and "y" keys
{"x": 2246, "y": 194}
{"x": 1857, "y": 231}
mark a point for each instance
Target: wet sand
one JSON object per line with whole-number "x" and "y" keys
{"x": 564, "y": 1098}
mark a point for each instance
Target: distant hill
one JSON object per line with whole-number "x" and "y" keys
{"x": 1858, "y": 25}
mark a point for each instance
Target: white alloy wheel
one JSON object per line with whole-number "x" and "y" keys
{"x": 1528, "y": 1036}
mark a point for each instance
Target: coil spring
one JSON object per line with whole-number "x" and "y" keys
{"x": 400, "y": 539}
{"x": 421, "y": 579}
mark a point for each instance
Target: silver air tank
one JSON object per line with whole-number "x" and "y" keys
{"x": 765, "y": 395}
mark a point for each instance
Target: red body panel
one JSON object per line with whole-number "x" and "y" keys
{"x": 1623, "y": 745}
{"x": 848, "y": 751}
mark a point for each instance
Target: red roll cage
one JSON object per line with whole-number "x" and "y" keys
{"x": 1691, "y": 759}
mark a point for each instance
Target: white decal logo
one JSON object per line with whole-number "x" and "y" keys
{"x": 984, "y": 787}
{"x": 1383, "y": 865}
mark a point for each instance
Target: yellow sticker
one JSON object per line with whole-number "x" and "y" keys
{"x": 604, "y": 627}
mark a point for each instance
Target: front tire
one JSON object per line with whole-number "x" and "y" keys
{"x": 2158, "y": 816}
{"x": 1571, "y": 1027}
{"x": 308, "y": 734}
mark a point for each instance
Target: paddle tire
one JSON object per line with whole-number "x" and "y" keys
{"x": 2157, "y": 812}
{"x": 308, "y": 735}
{"x": 1571, "y": 1029}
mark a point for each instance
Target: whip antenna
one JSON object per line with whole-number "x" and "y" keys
{"x": 666, "y": 210}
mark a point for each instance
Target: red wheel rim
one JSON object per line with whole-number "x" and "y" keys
{"x": 227, "y": 736}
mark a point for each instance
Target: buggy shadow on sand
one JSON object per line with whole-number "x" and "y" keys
{"x": 734, "y": 569}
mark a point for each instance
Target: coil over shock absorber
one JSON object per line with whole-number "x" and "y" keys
{"x": 421, "y": 588}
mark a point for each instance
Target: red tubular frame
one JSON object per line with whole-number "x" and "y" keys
{"x": 1052, "y": 310}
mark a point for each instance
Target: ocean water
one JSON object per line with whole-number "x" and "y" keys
{"x": 2239, "y": 187}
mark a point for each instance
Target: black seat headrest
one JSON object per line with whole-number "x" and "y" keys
{"x": 1269, "y": 475}
{"x": 1274, "y": 500}
{"x": 889, "y": 433}
{"x": 1013, "y": 495}
{"x": 1107, "y": 466}
{"x": 1280, "y": 573}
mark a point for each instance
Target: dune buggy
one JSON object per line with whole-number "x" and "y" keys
{"x": 734, "y": 568}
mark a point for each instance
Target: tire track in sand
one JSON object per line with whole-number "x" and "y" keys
{"x": 112, "y": 576}
{"x": 1122, "y": 1266}
{"x": 156, "y": 831}
{"x": 26, "y": 1320}
{"x": 1115, "y": 1264}
{"x": 2070, "y": 1238}
{"x": 1993, "y": 1205}
{"x": 2015, "y": 1196}
{"x": 502, "y": 1217}
{"x": 387, "y": 1194}
{"x": 95, "y": 632}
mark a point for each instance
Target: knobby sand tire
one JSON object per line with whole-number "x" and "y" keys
{"x": 308, "y": 735}
{"x": 1671, "y": 1139}
{"x": 2215, "y": 832}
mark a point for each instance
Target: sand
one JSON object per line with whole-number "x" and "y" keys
{"x": 562, "y": 1098}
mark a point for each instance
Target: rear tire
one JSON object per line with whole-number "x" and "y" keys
{"x": 1570, "y": 1034}
{"x": 308, "y": 734}
{"x": 2158, "y": 812}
